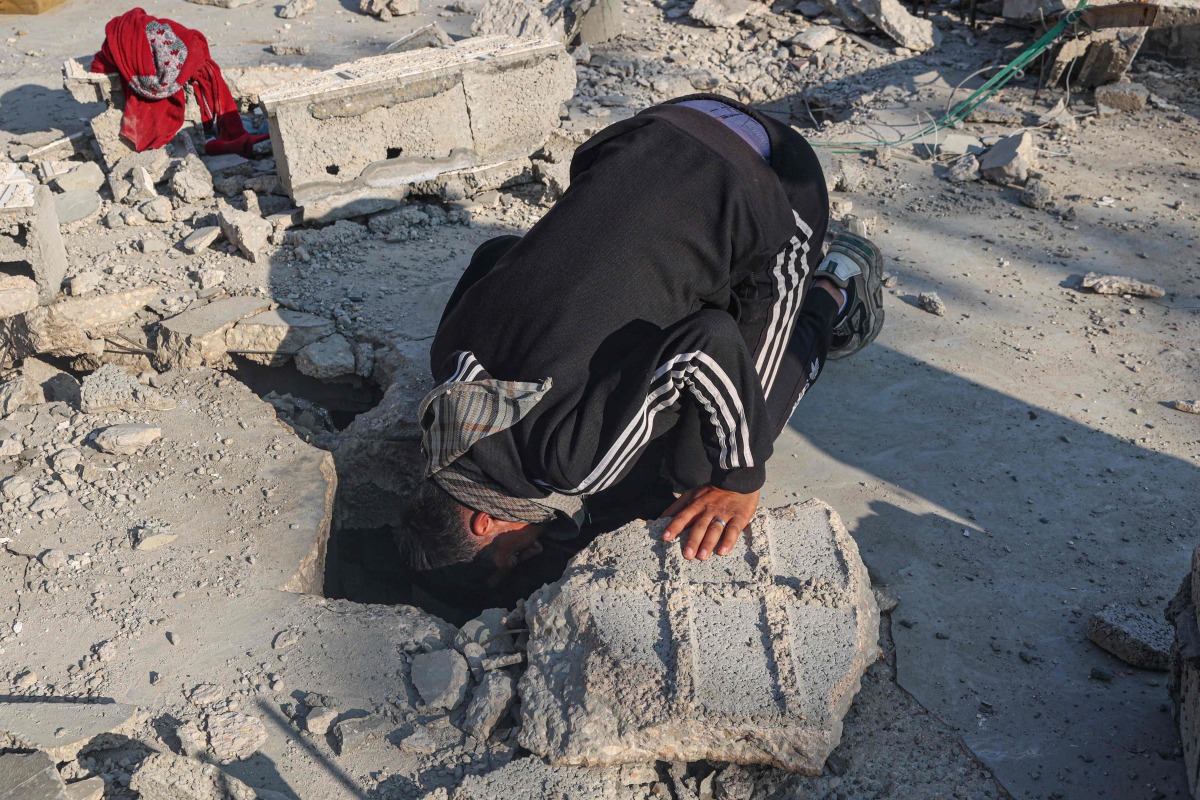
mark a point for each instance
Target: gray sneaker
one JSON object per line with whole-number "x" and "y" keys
{"x": 855, "y": 264}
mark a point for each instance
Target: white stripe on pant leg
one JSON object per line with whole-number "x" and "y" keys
{"x": 784, "y": 268}
{"x": 740, "y": 428}
{"x": 789, "y": 325}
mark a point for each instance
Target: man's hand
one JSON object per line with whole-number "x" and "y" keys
{"x": 716, "y": 518}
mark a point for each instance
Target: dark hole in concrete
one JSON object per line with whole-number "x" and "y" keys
{"x": 342, "y": 401}
{"x": 333, "y": 169}
{"x": 23, "y": 268}
{"x": 394, "y": 152}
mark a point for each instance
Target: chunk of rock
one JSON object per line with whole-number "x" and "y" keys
{"x": 18, "y": 294}
{"x": 441, "y": 678}
{"x": 1118, "y": 284}
{"x": 1131, "y": 634}
{"x": 197, "y": 336}
{"x": 964, "y": 169}
{"x": 1128, "y": 97}
{"x": 331, "y": 357}
{"x": 126, "y": 439}
{"x": 233, "y": 736}
{"x": 191, "y": 181}
{"x": 1010, "y": 159}
{"x": 111, "y": 388}
{"x": 1187, "y": 406}
{"x": 489, "y": 631}
{"x": 431, "y": 35}
{"x": 1037, "y": 194}
{"x": 387, "y": 9}
{"x": 86, "y": 177}
{"x": 296, "y": 8}
{"x": 490, "y": 701}
{"x": 720, "y": 13}
{"x": 639, "y": 655}
{"x": 17, "y": 392}
{"x": 816, "y": 37}
{"x": 171, "y": 777}
{"x": 247, "y": 232}
{"x": 319, "y": 719}
{"x": 929, "y": 301}
{"x": 272, "y": 337}
{"x": 89, "y": 789}
{"x": 201, "y": 238}
{"x": 83, "y": 282}
{"x": 906, "y": 29}
{"x": 351, "y": 734}
{"x": 30, "y": 776}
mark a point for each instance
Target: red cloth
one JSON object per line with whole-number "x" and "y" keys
{"x": 157, "y": 59}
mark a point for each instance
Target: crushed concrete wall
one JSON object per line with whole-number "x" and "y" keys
{"x": 413, "y": 116}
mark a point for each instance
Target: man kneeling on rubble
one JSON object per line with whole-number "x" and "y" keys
{"x": 650, "y": 336}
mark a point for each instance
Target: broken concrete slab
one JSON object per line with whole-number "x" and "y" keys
{"x": 1134, "y": 635}
{"x": 460, "y": 184}
{"x": 815, "y": 38}
{"x": 273, "y": 337}
{"x": 907, "y": 30}
{"x": 197, "y": 336}
{"x": 126, "y": 439}
{"x": 88, "y": 789}
{"x": 1096, "y": 58}
{"x": 77, "y": 326}
{"x": 1010, "y": 159}
{"x": 85, "y": 177}
{"x": 441, "y": 678}
{"x": 30, "y": 776}
{"x": 248, "y": 232}
{"x": 720, "y": 13}
{"x": 490, "y": 701}
{"x": 30, "y": 243}
{"x": 91, "y": 87}
{"x": 62, "y": 729}
{"x": 191, "y": 181}
{"x": 111, "y": 388}
{"x": 331, "y": 357}
{"x": 200, "y": 239}
{"x": 414, "y": 115}
{"x": 76, "y": 205}
{"x": 631, "y": 656}
{"x": 602, "y": 22}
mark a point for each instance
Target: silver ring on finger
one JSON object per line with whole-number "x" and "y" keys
{"x": 719, "y": 521}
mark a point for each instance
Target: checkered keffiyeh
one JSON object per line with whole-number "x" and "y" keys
{"x": 470, "y": 406}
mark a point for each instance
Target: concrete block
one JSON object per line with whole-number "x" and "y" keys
{"x": 1128, "y": 97}
{"x": 197, "y": 337}
{"x": 30, "y": 776}
{"x": 61, "y": 729}
{"x": 91, "y": 87}
{"x": 605, "y": 20}
{"x": 30, "y": 243}
{"x": 1133, "y": 635}
{"x": 754, "y": 657}
{"x": 331, "y": 357}
{"x": 77, "y": 326}
{"x": 413, "y": 116}
{"x": 1010, "y": 159}
{"x": 1096, "y": 58}
{"x": 110, "y": 146}
{"x": 273, "y": 337}
{"x": 18, "y": 294}
{"x": 250, "y": 233}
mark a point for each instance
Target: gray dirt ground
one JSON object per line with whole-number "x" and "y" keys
{"x": 1006, "y": 469}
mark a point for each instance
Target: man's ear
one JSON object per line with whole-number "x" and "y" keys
{"x": 485, "y": 525}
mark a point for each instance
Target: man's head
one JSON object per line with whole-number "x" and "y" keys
{"x": 439, "y": 532}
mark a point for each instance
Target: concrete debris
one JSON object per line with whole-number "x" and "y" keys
{"x": 233, "y": 736}
{"x": 441, "y": 678}
{"x": 157, "y": 210}
{"x": 152, "y": 537}
{"x": 197, "y": 337}
{"x": 88, "y": 789}
{"x": 248, "y": 232}
{"x": 296, "y": 8}
{"x": 602, "y": 22}
{"x": 1127, "y": 97}
{"x": 523, "y": 778}
{"x": 71, "y": 207}
{"x": 18, "y": 294}
{"x": 86, "y": 177}
{"x": 1096, "y": 58}
{"x": 200, "y": 239}
{"x": 60, "y": 729}
{"x": 963, "y": 169}
{"x": 319, "y": 720}
{"x": 849, "y": 13}
{"x": 273, "y": 337}
{"x": 399, "y": 142}
{"x": 248, "y": 84}
{"x": 29, "y": 231}
{"x": 720, "y": 13}
{"x": 164, "y": 776}
{"x": 431, "y": 35}
{"x": 78, "y": 326}
{"x": 1010, "y": 159}
{"x": 30, "y": 776}
{"x": 815, "y": 38}
{"x": 997, "y": 113}
{"x": 331, "y": 357}
{"x": 490, "y": 631}
{"x": 520, "y": 19}
{"x": 929, "y": 301}
{"x": 1187, "y": 406}
{"x": 621, "y": 670}
{"x": 354, "y": 733}
{"x": 126, "y": 439}
{"x": 111, "y": 388}
{"x": 132, "y": 179}
{"x": 1037, "y": 194}
{"x": 387, "y": 9}
{"x": 1117, "y": 284}
{"x": 894, "y": 19}
{"x": 191, "y": 181}
{"x": 1133, "y": 635}
{"x": 490, "y": 701}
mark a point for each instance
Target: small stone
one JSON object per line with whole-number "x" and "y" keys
{"x": 331, "y": 357}
{"x": 1187, "y": 406}
{"x": 206, "y": 694}
{"x": 126, "y": 439}
{"x": 26, "y": 680}
{"x": 53, "y": 559}
{"x": 296, "y": 8}
{"x": 1037, "y": 194}
{"x": 963, "y": 169}
{"x": 441, "y": 678}
{"x": 1118, "y": 284}
{"x": 152, "y": 537}
{"x": 15, "y": 486}
{"x": 285, "y": 639}
{"x": 929, "y": 301}
{"x": 1010, "y": 159}
{"x": 248, "y": 233}
{"x": 201, "y": 238}
{"x": 816, "y": 37}
{"x": 210, "y": 278}
{"x": 18, "y": 294}
{"x": 192, "y": 182}
{"x": 82, "y": 283}
{"x": 720, "y": 13}
{"x": 1133, "y": 635}
{"x": 421, "y": 741}
{"x": 157, "y": 210}
{"x": 319, "y": 719}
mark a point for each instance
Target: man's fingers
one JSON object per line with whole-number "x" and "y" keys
{"x": 679, "y": 505}
{"x": 716, "y": 529}
{"x": 683, "y": 518}
{"x": 730, "y": 537}
{"x": 696, "y": 535}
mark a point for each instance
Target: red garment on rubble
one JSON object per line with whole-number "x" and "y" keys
{"x": 157, "y": 59}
